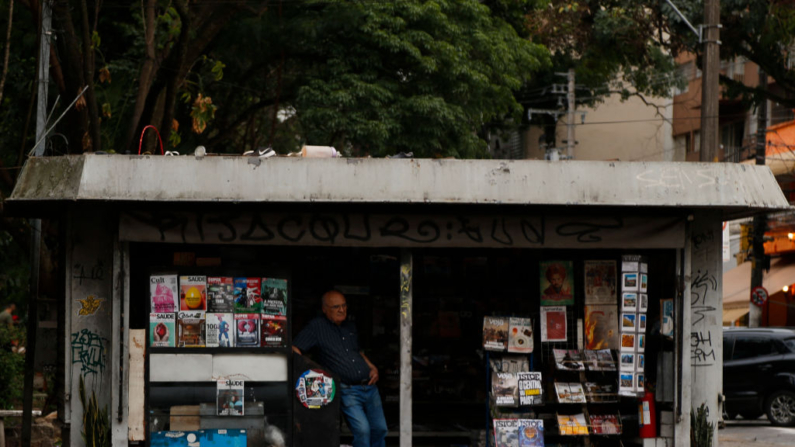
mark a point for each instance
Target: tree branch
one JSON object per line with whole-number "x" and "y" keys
{"x": 242, "y": 118}
{"x": 8, "y": 48}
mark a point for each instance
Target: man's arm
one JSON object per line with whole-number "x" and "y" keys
{"x": 306, "y": 340}
{"x": 297, "y": 351}
{"x": 373, "y": 369}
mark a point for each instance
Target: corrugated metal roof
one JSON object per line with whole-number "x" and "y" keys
{"x": 735, "y": 188}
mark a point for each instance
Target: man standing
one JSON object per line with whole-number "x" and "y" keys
{"x": 337, "y": 343}
{"x": 7, "y": 316}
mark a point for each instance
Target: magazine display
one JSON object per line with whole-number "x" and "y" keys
{"x": 557, "y": 283}
{"x": 520, "y": 335}
{"x": 193, "y": 293}
{"x": 530, "y": 388}
{"x": 218, "y": 330}
{"x": 161, "y": 330}
{"x": 247, "y": 330}
{"x": 570, "y": 392}
{"x": 190, "y": 328}
{"x": 230, "y": 397}
{"x": 605, "y": 424}
{"x": 601, "y": 326}
{"x": 506, "y": 432}
{"x": 220, "y": 294}
{"x": 504, "y": 389}
{"x": 569, "y": 360}
{"x": 273, "y": 330}
{"x": 510, "y": 364}
{"x": 163, "y": 293}
{"x": 531, "y": 433}
{"x": 600, "y": 282}
{"x": 573, "y": 425}
{"x": 553, "y": 323}
{"x": 315, "y": 389}
{"x": 601, "y": 360}
{"x": 247, "y": 295}
{"x": 495, "y": 333}
{"x": 274, "y": 296}
{"x": 600, "y": 392}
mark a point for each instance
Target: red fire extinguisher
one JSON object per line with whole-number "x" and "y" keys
{"x": 647, "y": 416}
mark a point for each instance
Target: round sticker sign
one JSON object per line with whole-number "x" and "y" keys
{"x": 759, "y": 295}
{"x": 315, "y": 388}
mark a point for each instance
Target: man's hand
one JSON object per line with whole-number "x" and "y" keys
{"x": 297, "y": 351}
{"x": 373, "y": 375}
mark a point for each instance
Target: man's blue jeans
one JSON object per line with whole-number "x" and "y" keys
{"x": 361, "y": 405}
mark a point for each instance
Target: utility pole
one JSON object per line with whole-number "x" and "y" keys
{"x": 759, "y": 260}
{"x": 570, "y": 116}
{"x": 35, "y": 225}
{"x": 710, "y": 81}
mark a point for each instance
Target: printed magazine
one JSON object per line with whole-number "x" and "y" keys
{"x": 553, "y": 323}
{"x": 573, "y": 425}
{"x": 531, "y": 433}
{"x": 495, "y": 333}
{"x": 557, "y": 283}
{"x": 570, "y": 392}
{"x": 219, "y": 331}
{"x": 506, "y": 432}
{"x": 230, "y": 397}
{"x": 600, "y": 282}
{"x": 520, "y": 335}
{"x": 530, "y": 388}
{"x": 274, "y": 296}
{"x": 605, "y": 424}
{"x": 163, "y": 293}
{"x": 247, "y": 295}
{"x": 600, "y": 392}
{"x": 601, "y": 360}
{"x": 273, "y": 330}
{"x": 247, "y": 330}
{"x": 504, "y": 389}
{"x": 601, "y": 326}
{"x": 220, "y": 294}
{"x": 569, "y": 360}
{"x": 193, "y": 293}
{"x": 162, "y": 330}
{"x": 190, "y": 328}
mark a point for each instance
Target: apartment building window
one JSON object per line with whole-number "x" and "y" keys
{"x": 731, "y": 138}
{"x": 696, "y": 141}
{"x": 684, "y": 73}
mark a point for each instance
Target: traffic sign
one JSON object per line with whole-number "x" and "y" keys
{"x": 759, "y": 295}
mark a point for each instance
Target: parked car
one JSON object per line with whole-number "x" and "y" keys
{"x": 759, "y": 373}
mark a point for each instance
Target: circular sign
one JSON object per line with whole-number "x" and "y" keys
{"x": 759, "y": 295}
{"x": 315, "y": 388}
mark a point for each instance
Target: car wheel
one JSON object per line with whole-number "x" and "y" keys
{"x": 780, "y": 408}
{"x": 751, "y": 416}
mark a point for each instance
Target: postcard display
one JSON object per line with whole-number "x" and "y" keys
{"x": 218, "y": 314}
{"x": 594, "y": 365}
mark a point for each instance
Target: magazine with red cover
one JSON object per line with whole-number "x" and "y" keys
{"x": 553, "y": 323}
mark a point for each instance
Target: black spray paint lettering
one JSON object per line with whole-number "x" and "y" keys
{"x": 586, "y": 231}
{"x": 702, "y": 353}
{"x": 88, "y": 350}
{"x": 94, "y": 273}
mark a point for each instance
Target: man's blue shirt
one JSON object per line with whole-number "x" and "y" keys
{"x": 337, "y": 348}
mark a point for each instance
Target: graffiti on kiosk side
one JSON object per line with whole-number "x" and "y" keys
{"x": 88, "y": 350}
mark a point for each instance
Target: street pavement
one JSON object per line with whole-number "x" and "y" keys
{"x": 758, "y": 432}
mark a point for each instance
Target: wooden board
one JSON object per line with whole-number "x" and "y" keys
{"x": 135, "y": 419}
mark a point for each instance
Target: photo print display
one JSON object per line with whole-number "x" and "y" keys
{"x": 629, "y": 302}
{"x": 553, "y": 323}
{"x": 626, "y": 384}
{"x": 641, "y": 322}
{"x": 601, "y": 327}
{"x": 641, "y": 362}
{"x": 643, "y": 302}
{"x": 557, "y": 283}
{"x": 628, "y": 322}
{"x": 600, "y": 282}
{"x": 667, "y": 318}
{"x": 644, "y": 282}
{"x": 641, "y": 342}
{"x": 628, "y": 342}
{"x": 627, "y": 361}
{"x": 629, "y": 282}
{"x": 640, "y": 383}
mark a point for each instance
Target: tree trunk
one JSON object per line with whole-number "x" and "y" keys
{"x": 147, "y": 75}
{"x": 8, "y": 48}
{"x": 88, "y": 79}
{"x": 174, "y": 64}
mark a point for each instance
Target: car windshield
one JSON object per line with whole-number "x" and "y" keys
{"x": 790, "y": 343}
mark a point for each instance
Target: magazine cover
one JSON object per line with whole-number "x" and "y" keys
{"x": 557, "y": 283}
{"x": 193, "y": 293}
{"x": 600, "y": 282}
{"x": 190, "y": 328}
{"x": 627, "y": 361}
{"x": 569, "y": 360}
{"x": 531, "y": 433}
{"x": 230, "y": 397}
{"x": 506, "y": 432}
{"x": 628, "y": 342}
{"x": 163, "y": 293}
{"x": 220, "y": 294}
{"x": 570, "y": 392}
{"x": 247, "y": 330}
{"x": 629, "y": 282}
{"x": 628, "y": 323}
{"x": 530, "y": 389}
{"x": 667, "y": 317}
{"x": 509, "y": 363}
{"x": 601, "y": 327}
{"x": 520, "y": 335}
{"x": 601, "y": 360}
{"x": 600, "y": 392}
{"x": 247, "y": 295}
{"x": 553, "y": 323}
{"x": 219, "y": 331}
{"x": 273, "y": 331}
{"x": 629, "y": 302}
{"x": 161, "y": 330}
{"x": 572, "y": 425}
{"x": 274, "y": 296}
{"x": 504, "y": 389}
{"x": 605, "y": 424}
{"x": 626, "y": 384}
{"x": 495, "y": 333}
